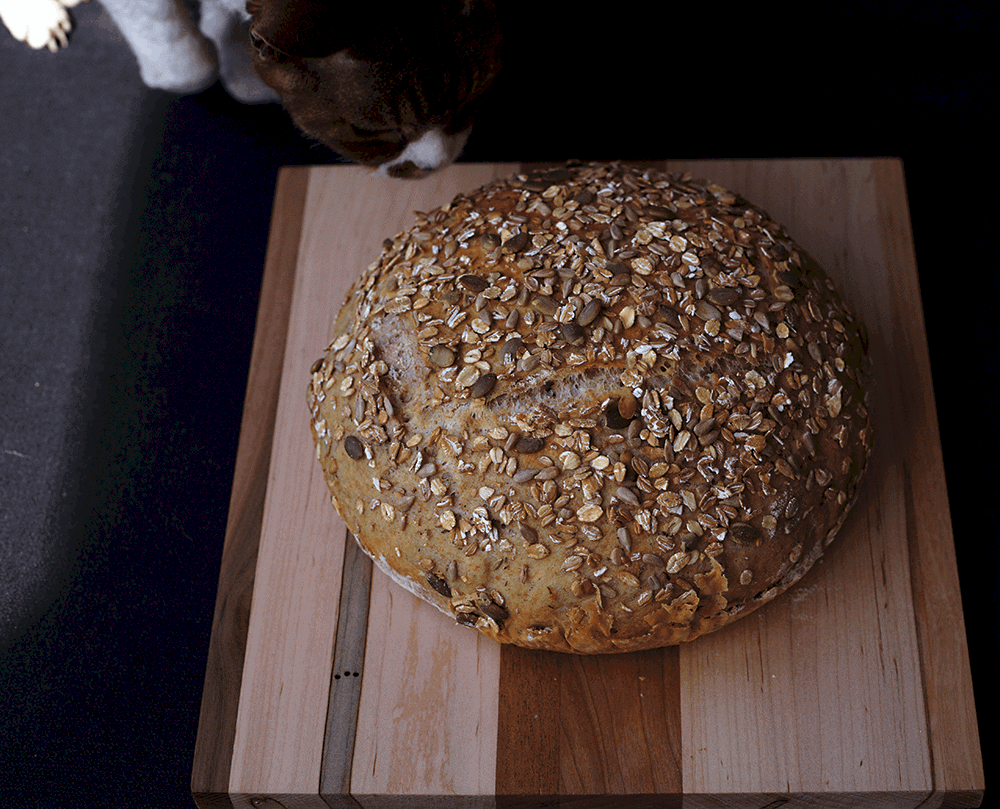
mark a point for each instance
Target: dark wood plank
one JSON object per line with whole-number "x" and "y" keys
{"x": 620, "y": 728}
{"x": 528, "y": 734}
{"x": 348, "y": 663}
{"x": 227, "y": 647}
{"x": 588, "y": 726}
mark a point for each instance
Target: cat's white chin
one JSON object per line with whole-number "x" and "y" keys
{"x": 431, "y": 151}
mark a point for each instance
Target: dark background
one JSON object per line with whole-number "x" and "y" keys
{"x": 133, "y": 226}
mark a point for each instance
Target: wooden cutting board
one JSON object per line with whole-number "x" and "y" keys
{"x": 327, "y": 685}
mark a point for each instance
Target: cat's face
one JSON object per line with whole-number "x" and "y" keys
{"x": 401, "y": 95}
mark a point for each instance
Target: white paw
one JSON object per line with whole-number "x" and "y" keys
{"x": 242, "y": 82}
{"x": 232, "y": 40}
{"x": 39, "y": 23}
{"x": 184, "y": 66}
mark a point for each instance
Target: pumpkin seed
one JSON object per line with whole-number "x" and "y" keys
{"x": 483, "y": 385}
{"x": 440, "y": 585}
{"x": 589, "y": 313}
{"x": 473, "y": 283}
{"x": 516, "y": 243}
{"x": 442, "y": 356}
{"x": 354, "y": 448}
{"x": 529, "y": 444}
{"x": 723, "y": 296}
{"x": 743, "y": 533}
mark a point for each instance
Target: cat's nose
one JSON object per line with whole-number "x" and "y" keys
{"x": 407, "y": 170}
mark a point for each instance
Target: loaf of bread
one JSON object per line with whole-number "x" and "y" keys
{"x": 593, "y": 409}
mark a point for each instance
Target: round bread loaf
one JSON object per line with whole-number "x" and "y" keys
{"x": 593, "y": 409}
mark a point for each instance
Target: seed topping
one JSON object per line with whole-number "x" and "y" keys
{"x": 645, "y": 385}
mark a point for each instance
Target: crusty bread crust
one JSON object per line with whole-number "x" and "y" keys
{"x": 593, "y": 409}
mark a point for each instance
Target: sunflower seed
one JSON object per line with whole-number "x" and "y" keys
{"x": 494, "y": 611}
{"x": 706, "y": 311}
{"x": 510, "y": 349}
{"x": 659, "y": 212}
{"x": 354, "y": 448}
{"x": 524, "y": 475}
{"x": 489, "y": 241}
{"x": 545, "y": 305}
{"x": 627, "y": 406}
{"x": 704, "y": 426}
{"x": 626, "y": 495}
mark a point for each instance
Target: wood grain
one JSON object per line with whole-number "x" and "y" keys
{"x": 949, "y": 701}
{"x": 348, "y": 663}
{"x": 851, "y": 690}
{"x": 442, "y": 708}
{"x": 815, "y": 642}
{"x": 224, "y": 669}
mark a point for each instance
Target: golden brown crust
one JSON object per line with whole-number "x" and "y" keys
{"x": 593, "y": 409}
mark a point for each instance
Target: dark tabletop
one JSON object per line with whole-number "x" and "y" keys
{"x": 133, "y": 226}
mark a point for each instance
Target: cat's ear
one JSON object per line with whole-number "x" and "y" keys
{"x": 302, "y": 28}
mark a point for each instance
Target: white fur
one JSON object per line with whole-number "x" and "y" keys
{"x": 174, "y": 52}
{"x": 431, "y": 151}
{"x": 176, "y": 55}
{"x": 39, "y": 23}
{"x": 179, "y": 55}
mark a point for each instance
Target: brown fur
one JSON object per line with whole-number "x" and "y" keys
{"x": 367, "y": 87}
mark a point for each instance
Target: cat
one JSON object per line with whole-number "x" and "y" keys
{"x": 394, "y": 86}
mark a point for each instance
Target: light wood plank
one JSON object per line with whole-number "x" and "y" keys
{"x": 837, "y": 656}
{"x": 223, "y": 675}
{"x": 956, "y": 753}
{"x": 842, "y": 693}
{"x": 427, "y": 721}
{"x": 286, "y": 681}
{"x": 355, "y": 211}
